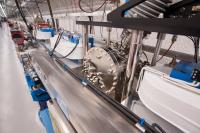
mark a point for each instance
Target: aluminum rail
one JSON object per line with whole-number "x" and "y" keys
{"x": 63, "y": 125}
{"x": 86, "y": 111}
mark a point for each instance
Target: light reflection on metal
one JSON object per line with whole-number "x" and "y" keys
{"x": 3, "y": 11}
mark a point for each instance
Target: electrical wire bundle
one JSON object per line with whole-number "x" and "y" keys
{"x": 56, "y": 45}
{"x": 195, "y": 40}
{"x": 57, "y": 42}
{"x": 87, "y": 5}
{"x": 174, "y": 38}
{"x": 83, "y": 5}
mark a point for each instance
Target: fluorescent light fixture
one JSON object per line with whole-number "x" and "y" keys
{"x": 2, "y": 10}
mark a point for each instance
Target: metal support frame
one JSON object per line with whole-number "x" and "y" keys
{"x": 182, "y": 26}
{"x": 196, "y": 49}
{"x": 179, "y": 26}
{"x": 131, "y": 53}
{"x": 136, "y": 45}
{"x": 57, "y": 24}
{"x": 51, "y": 13}
{"x": 157, "y": 49}
{"x": 85, "y": 38}
{"x": 179, "y": 5}
{"x": 109, "y": 33}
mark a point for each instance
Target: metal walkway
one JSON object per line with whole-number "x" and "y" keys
{"x": 18, "y": 114}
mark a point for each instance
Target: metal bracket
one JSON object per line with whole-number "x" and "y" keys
{"x": 181, "y": 26}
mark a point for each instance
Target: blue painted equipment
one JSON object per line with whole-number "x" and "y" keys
{"x": 141, "y": 122}
{"x": 183, "y": 71}
{"x": 38, "y": 92}
{"x": 36, "y": 89}
{"x": 46, "y": 120}
{"x": 91, "y": 41}
{"x": 75, "y": 38}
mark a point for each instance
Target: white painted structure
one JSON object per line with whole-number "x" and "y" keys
{"x": 171, "y": 99}
{"x": 64, "y": 47}
{"x": 40, "y": 35}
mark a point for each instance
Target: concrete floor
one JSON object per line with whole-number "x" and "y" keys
{"x": 18, "y": 113}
